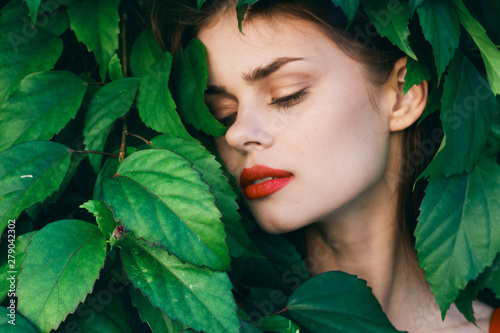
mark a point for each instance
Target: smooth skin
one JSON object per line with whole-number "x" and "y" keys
{"x": 296, "y": 102}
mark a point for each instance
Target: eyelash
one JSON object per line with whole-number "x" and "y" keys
{"x": 290, "y": 100}
{"x": 282, "y": 102}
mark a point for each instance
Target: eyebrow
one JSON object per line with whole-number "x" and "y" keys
{"x": 257, "y": 74}
{"x": 262, "y": 72}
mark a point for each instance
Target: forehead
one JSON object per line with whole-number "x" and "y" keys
{"x": 263, "y": 39}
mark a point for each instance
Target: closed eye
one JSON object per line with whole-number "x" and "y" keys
{"x": 290, "y": 100}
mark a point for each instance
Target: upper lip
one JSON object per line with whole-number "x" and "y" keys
{"x": 249, "y": 175}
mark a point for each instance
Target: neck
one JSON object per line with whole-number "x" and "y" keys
{"x": 380, "y": 253}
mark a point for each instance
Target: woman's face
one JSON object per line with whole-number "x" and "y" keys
{"x": 306, "y": 143}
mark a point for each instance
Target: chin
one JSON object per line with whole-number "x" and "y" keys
{"x": 278, "y": 225}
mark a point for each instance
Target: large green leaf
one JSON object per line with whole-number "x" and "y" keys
{"x": 43, "y": 105}
{"x": 104, "y": 216}
{"x": 237, "y": 239}
{"x": 155, "y": 317}
{"x": 155, "y": 104}
{"x": 338, "y": 302}
{"x": 145, "y": 52}
{"x": 494, "y": 283}
{"x": 192, "y": 75}
{"x": 467, "y": 108}
{"x": 458, "y": 234}
{"x": 489, "y": 51}
{"x": 110, "y": 103}
{"x": 162, "y": 199}
{"x": 95, "y": 23}
{"x": 22, "y": 54}
{"x": 62, "y": 265}
{"x": 29, "y": 173}
{"x": 391, "y": 18}
{"x": 9, "y": 267}
{"x": 198, "y": 297}
{"x": 12, "y": 322}
{"x": 441, "y": 28}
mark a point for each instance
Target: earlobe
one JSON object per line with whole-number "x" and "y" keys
{"x": 409, "y": 107}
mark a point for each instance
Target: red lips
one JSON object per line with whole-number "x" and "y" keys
{"x": 265, "y": 188}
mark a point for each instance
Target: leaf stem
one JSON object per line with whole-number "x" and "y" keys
{"x": 93, "y": 152}
{"x": 139, "y": 137}
{"x": 124, "y": 44}
{"x": 281, "y": 311}
{"x": 124, "y": 136}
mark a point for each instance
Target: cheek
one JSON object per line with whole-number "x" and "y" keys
{"x": 227, "y": 154}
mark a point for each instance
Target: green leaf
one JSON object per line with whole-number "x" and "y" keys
{"x": 338, "y": 302}
{"x": 191, "y": 66}
{"x": 104, "y": 216}
{"x": 155, "y": 317}
{"x": 198, "y": 297}
{"x": 241, "y": 9}
{"x": 282, "y": 268}
{"x": 115, "y": 68}
{"x": 110, "y": 103}
{"x": 489, "y": 51}
{"x": 433, "y": 102}
{"x": 441, "y": 28}
{"x": 12, "y": 322}
{"x": 95, "y": 23}
{"x": 391, "y": 18}
{"x": 155, "y": 104}
{"x": 29, "y": 173}
{"x": 33, "y": 7}
{"x": 145, "y": 53}
{"x": 205, "y": 163}
{"x": 47, "y": 101}
{"x": 467, "y": 108}
{"x": 63, "y": 262}
{"x": 415, "y": 74}
{"x": 21, "y": 55}
{"x": 6, "y": 270}
{"x": 458, "y": 220}
{"x": 162, "y": 199}
{"x": 349, "y": 7}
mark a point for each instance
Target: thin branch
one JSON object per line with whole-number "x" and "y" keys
{"x": 124, "y": 136}
{"x": 124, "y": 44}
{"x": 93, "y": 152}
{"x": 139, "y": 137}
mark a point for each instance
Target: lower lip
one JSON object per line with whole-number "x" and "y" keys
{"x": 266, "y": 188}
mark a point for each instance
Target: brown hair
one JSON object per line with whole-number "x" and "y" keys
{"x": 176, "y": 22}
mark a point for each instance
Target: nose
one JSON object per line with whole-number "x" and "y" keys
{"x": 250, "y": 132}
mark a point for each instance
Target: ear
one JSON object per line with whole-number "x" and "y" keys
{"x": 407, "y": 108}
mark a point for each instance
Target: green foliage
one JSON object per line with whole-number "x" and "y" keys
{"x": 325, "y": 303}
{"x": 391, "y": 20}
{"x": 63, "y": 262}
{"x": 47, "y": 100}
{"x": 191, "y": 85}
{"x": 125, "y": 222}
{"x": 95, "y": 23}
{"x": 468, "y": 208}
